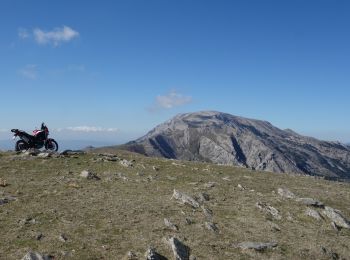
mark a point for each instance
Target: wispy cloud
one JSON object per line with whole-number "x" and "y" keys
{"x": 169, "y": 101}
{"x": 29, "y": 71}
{"x": 87, "y": 129}
{"x": 23, "y": 33}
{"x": 54, "y": 37}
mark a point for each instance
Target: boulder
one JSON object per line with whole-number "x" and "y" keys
{"x": 170, "y": 225}
{"x": 336, "y": 216}
{"x": 269, "y": 209}
{"x": 185, "y": 199}
{"x": 258, "y": 246}
{"x": 89, "y": 175}
{"x": 36, "y": 256}
{"x": 212, "y": 227}
{"x": 313, "y": 213}
{"x": 181, "y": 251}
{"x": 151, "y": 254}
{"x": 285, "y": 193}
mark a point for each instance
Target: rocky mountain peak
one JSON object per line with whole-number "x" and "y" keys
{"x": 223, "y": 138}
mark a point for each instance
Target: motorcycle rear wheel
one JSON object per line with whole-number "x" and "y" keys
{"x": 21, "y": 146}
{"x": 52, "y": 146}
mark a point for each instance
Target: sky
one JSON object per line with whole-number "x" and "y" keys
{"x": 112, "y": 70}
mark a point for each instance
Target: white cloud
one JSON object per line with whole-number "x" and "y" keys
{"x": 87, "y": 129}
{"x": 23, "y": 33}
{"x": 170, "y": 100}
{"x": 56, "y": 36}
{"x": 29, "y": 71}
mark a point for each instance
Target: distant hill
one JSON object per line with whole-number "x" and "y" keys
{"x": 226, "y": 139}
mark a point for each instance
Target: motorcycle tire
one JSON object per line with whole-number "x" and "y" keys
{"x": 53, "y": 146}
{"x": 21, "y": 146}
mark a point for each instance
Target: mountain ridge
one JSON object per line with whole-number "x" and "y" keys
{"x": 223, "y": 138}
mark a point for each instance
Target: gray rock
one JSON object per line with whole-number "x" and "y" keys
{"x": 207, "y": 212}
{"x": 7, "y": 199}
{"x": 151, "y": 254}
{"x": 44, "y": 155}
{"x": 227, "y": 139}
{"x": 336, "y": 216}
{"x": 258, "y": 246}
{"x": 212, "y": 227}
{"x": 210, "y": 185}
{"x": 185, "y": 199}
{"x": 313, "y": 213}
{"x": 269, "y": 209}
{"x": 202, "y": 197}
{"x": 170, "y": 225}
{"x": 241, "y": 187}
{"x": 310, "y": 202}
{"x": 63, "y": 238}
{"x": 181, "y": 251}
{"x": 35, "y": 256}
{"x": 89, "y": 175}
{"x": 131, "y": 256}
{"x": 285, "y": 193}
{"x": 126, "y": 163}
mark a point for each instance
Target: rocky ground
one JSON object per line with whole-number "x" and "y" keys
{"x": 126, "y": 206}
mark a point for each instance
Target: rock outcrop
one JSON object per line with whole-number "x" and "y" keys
{"x": 231, "y": 140}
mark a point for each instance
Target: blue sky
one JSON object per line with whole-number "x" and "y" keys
{"x": 112, "y": 70}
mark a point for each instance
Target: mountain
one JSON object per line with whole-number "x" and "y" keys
{"x": 232, "y": 140}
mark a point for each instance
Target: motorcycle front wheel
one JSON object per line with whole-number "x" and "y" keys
{"x": 21, "y": 146}
{"x": 51, "y": 145}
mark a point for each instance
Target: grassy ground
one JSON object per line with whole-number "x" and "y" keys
{"x": 125, "y": 210}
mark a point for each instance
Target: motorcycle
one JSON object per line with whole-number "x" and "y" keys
{"x": 38, "y": 140}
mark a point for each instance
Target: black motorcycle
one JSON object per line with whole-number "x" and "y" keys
{"x": 38, "y": 140}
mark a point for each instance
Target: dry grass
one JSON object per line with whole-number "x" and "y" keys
{"x": 125, "y": 210}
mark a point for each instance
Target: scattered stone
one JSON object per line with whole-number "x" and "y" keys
{"x": 257, "y": 246}
{"x": 241, "y": 187}
{"x": 181, "y": 251}
{"x": 336, "y": 216}
{"x": 36, "y": 256}
{"x": 131, "y": 256}
{"x": 226, "y": 178}
{"x": 170, "y": 225}
{"x": 126, "y": 163}
{"x": 329, "y": 253}
{"x": 27, "y": 221}
{"x": 89, "y": 175}
{"x": 72, "y": 152}
{"x": 212, "y": 227}
{"x": 203, "y": 197}
{"x": 39, "y": 236}
{"x": 63, "y": 238}
{"x": 207, "y": 212}
{"x": 151, "y": 254}
{"x": 275, "y": 227}
{"x": 335, "y": 226}
{"x": 283, "y": 192}
{"x": 178, "y": 164}
{"x": 3, "y": 183}
{"x": 44, "y": 155}
{"x": 188, "y": 221}
{"x": 155, "y": 168}
{"x": 185, "y": 199}
{"x": 313, "y": 213}
{"x": 269, "y": 209}
{"x": 210, "y": 184}
{"x": 310, "y": 202}
{"x": 32, "y": 152}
